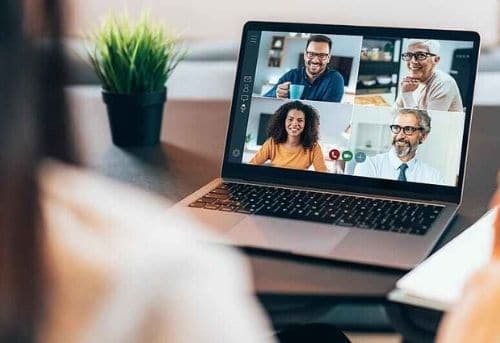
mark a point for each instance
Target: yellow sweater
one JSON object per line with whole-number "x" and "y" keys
{"x": 297, "y": 158}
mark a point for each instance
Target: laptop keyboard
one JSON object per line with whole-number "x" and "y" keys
{"x": 343, "y": 210}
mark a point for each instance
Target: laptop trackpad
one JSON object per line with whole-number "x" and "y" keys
{"x": 287, "y": 235}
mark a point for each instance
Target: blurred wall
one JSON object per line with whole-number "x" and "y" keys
{"x": 224, "y": 18}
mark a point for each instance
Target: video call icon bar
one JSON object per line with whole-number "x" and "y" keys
{"x": 253, "y": 39}
{"x": 244, "y": 97}
{"x": 347, "y": 155}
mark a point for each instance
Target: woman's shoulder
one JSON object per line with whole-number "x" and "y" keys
{"x": 316, "y": 147}
{"x": 270, "y": 144}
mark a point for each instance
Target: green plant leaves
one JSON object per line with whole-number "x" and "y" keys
{"x": 133, "y": 58}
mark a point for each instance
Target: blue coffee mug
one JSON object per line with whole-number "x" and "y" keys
{"x": 295, "y": 91}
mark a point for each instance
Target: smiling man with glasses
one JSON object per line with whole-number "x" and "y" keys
{"x": 319, "y": 82}
{"x": 425, "y": 87}
{"x": 409, "y": 129}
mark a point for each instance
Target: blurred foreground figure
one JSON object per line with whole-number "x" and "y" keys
{"x": 477, "y": 317}
{"x": 84, "y": 259}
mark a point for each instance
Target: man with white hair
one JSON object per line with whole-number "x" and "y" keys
{"x": 410, "y": 128}
{"x": 425, "y": 87}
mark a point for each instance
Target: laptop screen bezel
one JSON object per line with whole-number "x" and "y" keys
{"x": 341, "y": 182}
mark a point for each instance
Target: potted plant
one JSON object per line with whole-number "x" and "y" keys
{"x": 133, "y": 63}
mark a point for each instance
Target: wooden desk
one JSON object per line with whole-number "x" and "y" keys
{"x": 190, "y": 155}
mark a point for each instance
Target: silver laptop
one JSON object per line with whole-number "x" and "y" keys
{"x": 345, "y": 143}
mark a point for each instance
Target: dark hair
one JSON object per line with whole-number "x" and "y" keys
{"x": 276, "y": 129}
{"x": 320, "y": 39}
{"x": 33, "y": 125}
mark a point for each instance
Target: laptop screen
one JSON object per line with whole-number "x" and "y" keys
{"x": 389, "y": 107}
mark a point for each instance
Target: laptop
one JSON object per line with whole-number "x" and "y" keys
{"x": 345, "y": 143}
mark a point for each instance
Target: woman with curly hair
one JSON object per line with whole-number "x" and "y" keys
{"x": 293, "y": 139}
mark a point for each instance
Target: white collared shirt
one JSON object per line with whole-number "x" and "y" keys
{"x": 386, "y": 166}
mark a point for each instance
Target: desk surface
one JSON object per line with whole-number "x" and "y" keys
{"x": 190, "y": 155}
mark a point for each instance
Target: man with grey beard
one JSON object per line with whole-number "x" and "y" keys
{"x": 410, "y": 128}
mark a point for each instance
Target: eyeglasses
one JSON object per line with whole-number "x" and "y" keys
{"x": 407, "y": 130}
{"x": 321, "y": 56}
{"x": 419, "y": 56}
